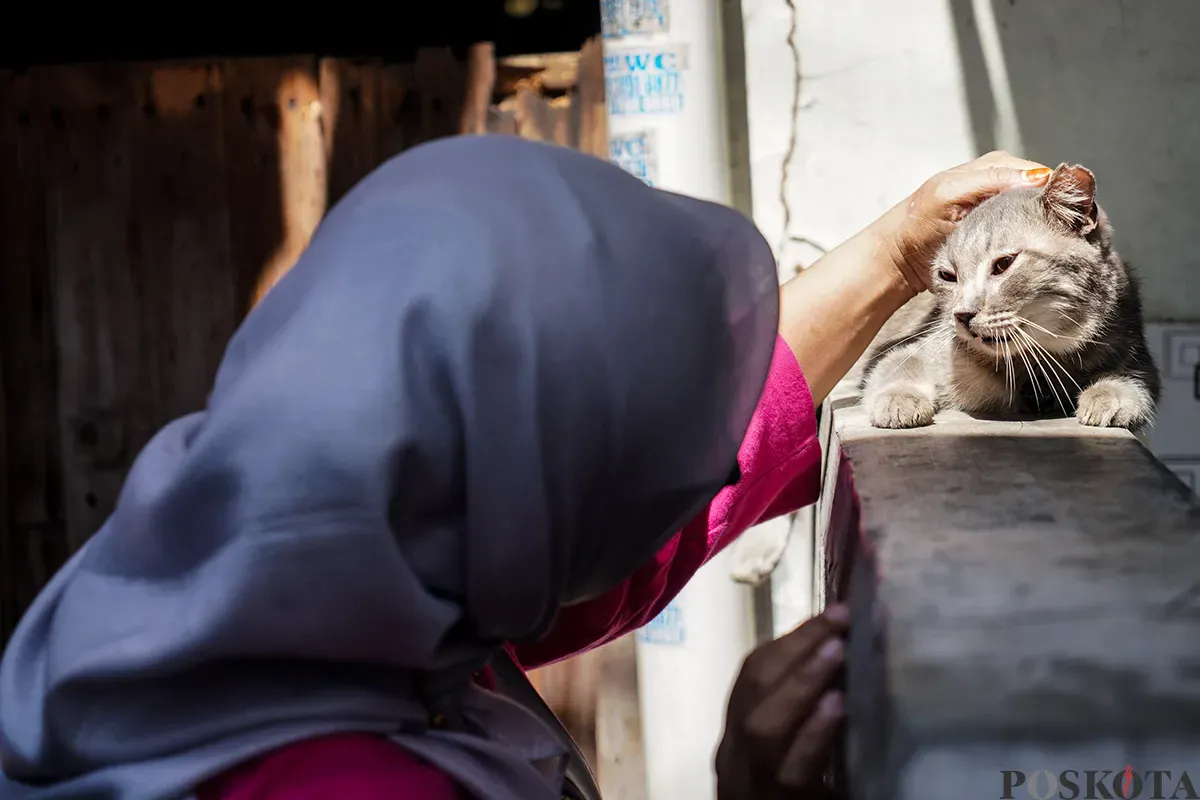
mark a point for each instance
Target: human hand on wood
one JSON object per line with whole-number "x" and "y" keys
{"x": 784, "y": 714}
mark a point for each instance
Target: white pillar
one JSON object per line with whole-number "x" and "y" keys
{"x": 666, "y": 122}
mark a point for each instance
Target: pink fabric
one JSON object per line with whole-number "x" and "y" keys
{"x": 780, "y": 463}
{"x": 351, "y": 766}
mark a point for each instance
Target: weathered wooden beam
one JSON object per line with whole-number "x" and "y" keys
{"x": 1025, "y": 599}
{"x": 481, "y": 82}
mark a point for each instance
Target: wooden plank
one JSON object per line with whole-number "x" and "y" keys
{"x": 273, "y": 206}
{"x": 535, "y": 118}
{"x": 400, "y": 110}
{"x": 590, "y": 120}
{"x": 101, "y": 409}
{"x": 179, "y": 235}
{"x": 559, "y": 116}
{"x": 350, "y": 107}
{"x": 620, "y": 760}
{"x": 480, "y": 82}
{"x": 570, "y": 690}
{"x": 502, "y": 120}
{"x": 553, "y": 72}
{"x": 440, "y": 83}
{"x": 33, "y": 539}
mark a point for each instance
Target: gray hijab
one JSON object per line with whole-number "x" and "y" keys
{"x": 500, "y": 377}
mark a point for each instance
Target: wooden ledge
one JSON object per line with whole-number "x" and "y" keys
{"x": 1026, "y": 597}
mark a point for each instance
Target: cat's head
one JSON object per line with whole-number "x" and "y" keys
{"x": 1029, "y": 269}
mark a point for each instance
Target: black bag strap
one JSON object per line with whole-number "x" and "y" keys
{"x": 513, "y": 684}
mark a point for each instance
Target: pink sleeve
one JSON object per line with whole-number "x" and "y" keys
{"x": 349, "y": 765}
{"x": 780, "y": 463}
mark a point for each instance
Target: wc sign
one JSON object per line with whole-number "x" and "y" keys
{"x": 666, "y": 628}
{"x": 645, "y": 80}
{"x": 636, "y": 153}
{"x": 632, "y": 17}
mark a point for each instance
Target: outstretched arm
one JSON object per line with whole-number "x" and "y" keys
{"x": 828, "y": 316}
{"x": 830, "y": 312}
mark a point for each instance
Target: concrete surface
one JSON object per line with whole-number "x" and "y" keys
{"x": 1026, "y": 597}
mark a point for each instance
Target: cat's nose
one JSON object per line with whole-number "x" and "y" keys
{"x": 964, "y": 318}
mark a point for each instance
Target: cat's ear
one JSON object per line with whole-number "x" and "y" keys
{"x": 1070, "y": 198}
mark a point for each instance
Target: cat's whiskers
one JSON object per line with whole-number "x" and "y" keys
{"x": 1053, "y": 359}
{"x": 1009, "y": 377}
{"x": 1038, "y": 352}
{"x": 1052, "y": 333}
{"x": 1032, "y": 377}
{"x": 1050, "y": 376}
{"x": 1038, "y": 361}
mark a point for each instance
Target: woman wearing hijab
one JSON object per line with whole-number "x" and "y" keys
{"x": 504, "y": 406}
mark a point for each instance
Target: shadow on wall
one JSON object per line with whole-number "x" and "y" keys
{"x": 1113, "y": 85}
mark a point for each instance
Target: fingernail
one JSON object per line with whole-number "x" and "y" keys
{"x": 1037, "y": 175}
{"x": 831, "y": 705}
{"x": 832, "y": 651}
{"x": 839, "y": 614}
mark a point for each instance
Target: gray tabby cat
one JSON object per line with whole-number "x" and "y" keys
{"x": 1031, "y": 311}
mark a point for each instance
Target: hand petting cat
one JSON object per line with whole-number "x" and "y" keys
{"x": 917, "y": 227}
{"x": 831, "y": 311}
{"x": 1031, "y": 310}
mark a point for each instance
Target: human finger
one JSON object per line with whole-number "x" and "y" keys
{"x": 767, "y": 665}
{"x": 974, "y": 185}
{"x": 1004, "y": 159}
{"x": 974, "y": 182}
{"x": 809, "y": 750}
{"x": 778, "y": 714}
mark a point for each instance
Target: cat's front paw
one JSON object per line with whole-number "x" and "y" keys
{"x": 901, "y": 409}
{"x": 1114, "y": 403}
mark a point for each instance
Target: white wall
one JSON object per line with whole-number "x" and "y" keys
{"x": 1114, "y": 85}
{"x": 890, "y": 92}
{"x": 881, "y": 107}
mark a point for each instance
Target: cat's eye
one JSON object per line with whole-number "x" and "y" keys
{"x": 1001, "y": 264}
{"x": 947, "y": 276}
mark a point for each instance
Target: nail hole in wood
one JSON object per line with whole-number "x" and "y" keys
{"x": 88, "y": 435}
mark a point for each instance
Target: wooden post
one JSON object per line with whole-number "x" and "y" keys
{"x": 33, "y": 535}
{"x": 481, "y": 80}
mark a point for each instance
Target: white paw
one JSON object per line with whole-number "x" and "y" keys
{"x": 900, "y": 408}
{"x": 1114, "y": 403}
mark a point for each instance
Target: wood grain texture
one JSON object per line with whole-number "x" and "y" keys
{"x": 103, "y": 366}
{"x": 351, "y": 107}
{"x": 33, "y": 533}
